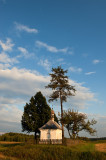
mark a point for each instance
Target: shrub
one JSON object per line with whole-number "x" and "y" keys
{"x": 17, "y": 137}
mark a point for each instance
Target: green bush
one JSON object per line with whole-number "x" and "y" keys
{"x": 17, "y": 137}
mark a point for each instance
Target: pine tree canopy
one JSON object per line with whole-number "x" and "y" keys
{"x": 59, "y": 83}
{"x": 36, "y": 113}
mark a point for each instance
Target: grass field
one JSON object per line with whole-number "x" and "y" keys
{"x": 82, "y": 151}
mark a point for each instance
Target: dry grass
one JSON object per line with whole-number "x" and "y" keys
{"x": 5, "y": 142}
{"x": 3, "y": 157}
{"x": 70, "y": 142}
{"x": 78, "y": 149}
{"x": 101, "y": 147}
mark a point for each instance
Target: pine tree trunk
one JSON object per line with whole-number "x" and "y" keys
{"x": 61, "y": 118}
{"x": 35, "y": 138}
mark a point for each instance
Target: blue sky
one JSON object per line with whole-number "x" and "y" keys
{"x": 38, "y": 35}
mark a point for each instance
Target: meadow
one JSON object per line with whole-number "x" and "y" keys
{"x": 25, "y": 151}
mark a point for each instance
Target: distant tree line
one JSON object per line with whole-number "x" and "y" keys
{"x": 96, "y": 139}
{"x": 17, "y": 137}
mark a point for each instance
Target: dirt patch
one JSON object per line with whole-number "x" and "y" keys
{"x": 4, "y": 142}
{"x": 2, "y": 156}
{"x": 101, "y": 147}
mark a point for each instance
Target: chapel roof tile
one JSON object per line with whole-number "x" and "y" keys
{"x": 51, "y": 125}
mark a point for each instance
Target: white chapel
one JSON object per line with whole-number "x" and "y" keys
{"x": 51, "y": 132}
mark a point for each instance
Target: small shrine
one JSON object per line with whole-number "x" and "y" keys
{"x": 51, "y": 132}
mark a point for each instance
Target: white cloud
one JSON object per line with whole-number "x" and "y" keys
{"x": 97, "y": 116}
{"x": 25, "y": 53}
{"x": 96, "y": 61}
{"x": 24, "y": 83}
{"x": 100, "y": 125}
{"x": 10, "y": 113}
{"x": 9, "y": 100}
{"x": 7, "y": 46}
{"x": 83, "y": 95}
{"x": 19, "y": 83}
{"x": 4, "y": 58}
{"x": 89, "y": 73}
{"x": 45, "y": 64}
{"x": 75, "y": 69}
{"x": 22, "y": 27}
{"x": 8, "y": 126}
{"x": 50, "y": 48}
{"x": 4, "y": 66}
{"x": 23, "y": 50}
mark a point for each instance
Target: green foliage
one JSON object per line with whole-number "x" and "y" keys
{"x": 36, "y": 114}
{"x": 76, "y": 122}
{"x": 59, "y": 83}
{"x": 16, "y": 137}
{"x": 52, "y": 152}
{"x": 85, "y": 147}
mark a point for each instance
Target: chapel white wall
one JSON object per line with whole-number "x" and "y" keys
{"x": 50, "y": 134}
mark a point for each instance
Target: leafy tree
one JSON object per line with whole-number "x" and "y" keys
{"x": 76, "y": 122}
{"x": 36, "y": 114}
{"x": 59, "y": 83}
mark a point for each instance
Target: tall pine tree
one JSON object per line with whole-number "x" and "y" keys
{"x": 61, "y": 88}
